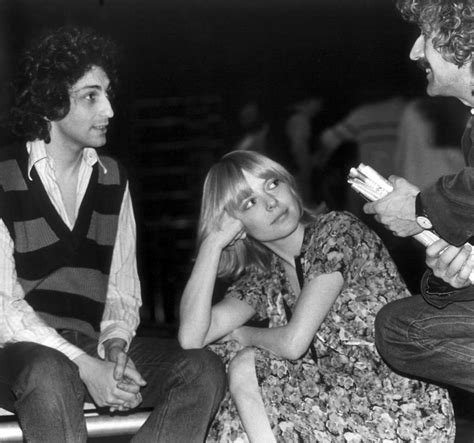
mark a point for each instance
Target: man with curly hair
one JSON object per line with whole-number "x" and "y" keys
{"x": 69, "y": 289}
{"x": 432, "y": 335}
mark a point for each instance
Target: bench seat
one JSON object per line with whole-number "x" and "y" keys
{"x": 97, "y": 425}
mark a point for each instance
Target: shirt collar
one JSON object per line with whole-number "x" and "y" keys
{"x": 37, "y": 152}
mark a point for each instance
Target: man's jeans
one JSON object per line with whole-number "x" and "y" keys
{"x": 421, "y": 340}
{"x": 43, "y": 387}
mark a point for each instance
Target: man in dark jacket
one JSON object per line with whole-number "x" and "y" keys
{"x": 432, "y": 335}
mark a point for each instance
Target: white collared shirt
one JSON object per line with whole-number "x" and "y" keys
{"x": 123, "y": 300}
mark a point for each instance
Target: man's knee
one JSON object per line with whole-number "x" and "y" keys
{"x": 403, "y": 334}
{"x": 207, "y": 368}
{"x": 46, "y": 371}
{"x": 382, "y": 319}
{"x": 391, "y": 332}
{"x": 392, "y": 323}
{"x": 48, "y": 391}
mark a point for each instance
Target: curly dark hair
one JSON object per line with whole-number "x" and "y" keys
{"x": 450, "y": 22}
{"x": 47, "y": 72}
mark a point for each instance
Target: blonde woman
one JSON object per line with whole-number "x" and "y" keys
{"x": 314, "y": 374}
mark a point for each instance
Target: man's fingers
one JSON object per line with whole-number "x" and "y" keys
{"x": 444, "y": 259}
{"x": 368, "y": 208}
{"x": 120, "y": 365}
{"x": 463, "y": 276}
{"x": 120, "y": 397}
{"x": 139, "y": 398}
{"x": 126, "y": 406}
{"x": 458, "y": 262}
{"x": 450, "y": 263}
{"x": 436, "y": 248}
{"x": 134, "y": 376}
{"x": 129, "y": 386}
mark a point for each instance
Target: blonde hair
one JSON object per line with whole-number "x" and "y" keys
{"x": 224, "y": 189}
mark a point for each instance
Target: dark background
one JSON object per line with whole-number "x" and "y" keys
{"x": 275, "y": 51}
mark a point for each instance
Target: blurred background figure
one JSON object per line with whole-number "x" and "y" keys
{"x": 253, "y": 127}
{"x": 374, "y": 127}
{"x": 369, "y": 134}
{"x": 429, "y": 134}
{"x": 373, "y": 130}
{"x": 300, "y": 135}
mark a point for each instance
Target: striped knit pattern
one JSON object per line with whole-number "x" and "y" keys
{"x": 374, "y": 127}
{"x": 64, "y": 273}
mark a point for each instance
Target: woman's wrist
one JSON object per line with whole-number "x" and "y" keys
{"x": 243, "y": 336}
{"x": 212, "y": 245}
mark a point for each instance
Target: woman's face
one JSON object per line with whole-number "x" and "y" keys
{"x": 271, "y": 212}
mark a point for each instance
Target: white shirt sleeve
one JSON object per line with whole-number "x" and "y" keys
{"x": 121, "y": 314}
{"x": 18, "y": 320}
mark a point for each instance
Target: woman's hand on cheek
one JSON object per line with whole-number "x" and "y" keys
{"x": 228, "y": 230}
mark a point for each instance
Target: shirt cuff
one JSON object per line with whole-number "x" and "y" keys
{"x": 440, "y": 294}
{"x": 57, "y": 342}
{"x": 114, "y": 330}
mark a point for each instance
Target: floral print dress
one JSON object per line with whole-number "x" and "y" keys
{"x": 348, "y": 394}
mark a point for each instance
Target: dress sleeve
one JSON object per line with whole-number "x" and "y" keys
{"x": 340, "y": 242}
{"x": 254, "y": 288}
{"x": 121, "y": 314}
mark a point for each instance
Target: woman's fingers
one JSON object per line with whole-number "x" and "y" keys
{"x": 229, "y": 229}
{"x": 240, "y": 235}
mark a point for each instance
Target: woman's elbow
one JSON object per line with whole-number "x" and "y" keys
{"x": 294, "y": 354}
{"x": 294, "y": 348}
{"x": 189, "y": 341}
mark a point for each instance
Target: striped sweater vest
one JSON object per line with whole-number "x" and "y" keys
{"x": 64, "y": 273}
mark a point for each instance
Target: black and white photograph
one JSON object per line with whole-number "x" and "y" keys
{"x": 244, "y": 221}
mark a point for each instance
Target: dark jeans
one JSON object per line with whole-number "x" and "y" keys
{"x": 435, "y": 344}
{"x": 44, "y": 389}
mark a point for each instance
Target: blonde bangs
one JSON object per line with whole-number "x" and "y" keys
{"x": 225, "y": 189}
